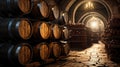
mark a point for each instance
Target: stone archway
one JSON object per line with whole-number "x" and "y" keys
{"x": 78, "y": 3}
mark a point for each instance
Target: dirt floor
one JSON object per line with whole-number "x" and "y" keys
{"x": 95, "y": 56}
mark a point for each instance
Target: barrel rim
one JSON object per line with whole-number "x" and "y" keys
{"x": 31, "y": 6}
{"x": 55, "y": 6}
{"x": 36, "y": 30}
{"x": 40, "y": 44}
{"x": 47, "y": 7}
{"x": 52, "y": 34}
{"x": 17, "y": 28}
{"x": 66, "y": 14}
{"x": 48, "y": 30}
{"x": 51, "y": 45}
{"x": 18, "y": 49}
{"x": 62, "y": 19}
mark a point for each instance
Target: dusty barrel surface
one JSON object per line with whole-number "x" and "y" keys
{"x": 17, "y": 28}
{"x": 55, "y": 49}
{"x": 41, "y": 30}
{"x": 15, "y": 7}
{"x": 41, "y": 51}
{"x": 56, "y": 31}
{"x": 40, "y": 10}
{"x": 15, "y": 54}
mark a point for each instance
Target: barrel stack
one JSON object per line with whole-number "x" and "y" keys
{"x": 111, "y": 39}
{"x": 15, "y": 29}
{"x": 15, "y": 54}
{"x": 32, "y": 31}
{"x": 14, "y": 8}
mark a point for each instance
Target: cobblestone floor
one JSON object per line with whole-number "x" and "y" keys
{"x": 95, "y": 56}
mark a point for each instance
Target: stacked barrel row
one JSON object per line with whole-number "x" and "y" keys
{"x": 46, "y": 10}
{"x": 81, "y": 39}
{"x": 32, "y": 31}
{"x": 112, "y": 39}
{"x": 21, "y": 54}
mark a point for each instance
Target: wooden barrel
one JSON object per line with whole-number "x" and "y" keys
{"x": 41, "y": 51}
{"x": 56, "y": 31}
{"x": 13, "y": 8}
{"x": 54, "y": 13}
{"x": 41, "y": 30}
{"x": 65, "y": 48}
{"x": 17, "y": 28}
{"x": 55, "y": 49}
{"x": 63, "y": 19}
{"x": 40, "y": 10}
{"x": 15, "y": 54}
{"x": 65, "y": 33}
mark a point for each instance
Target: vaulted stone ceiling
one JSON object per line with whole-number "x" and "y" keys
{"x": 103, "y": 9}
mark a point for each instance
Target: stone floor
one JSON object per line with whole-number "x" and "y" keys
{"x": 95, "y": 56}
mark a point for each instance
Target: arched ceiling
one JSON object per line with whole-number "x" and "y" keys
{"x": 97, "y": 7}
{"x": 102, "y": 9}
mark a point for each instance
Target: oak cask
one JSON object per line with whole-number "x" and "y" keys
{"x": 15, "y": 28}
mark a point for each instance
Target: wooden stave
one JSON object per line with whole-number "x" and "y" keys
{"x": 11, "y": 25}
{"x": 36, "y": 52}
{"x": 52, "y": 53}
{"x": 52, "y": 37}
{"x": 36, "y": 29}
{"x": 36, "y": 11}
{"x": 10, "y": 55}
{"x": 13, "y": 8}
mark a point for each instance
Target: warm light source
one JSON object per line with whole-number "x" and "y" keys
{"x": 94, "y": 24}
{"x": 63, "y": 14}
{"x": 89, "y": 5}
